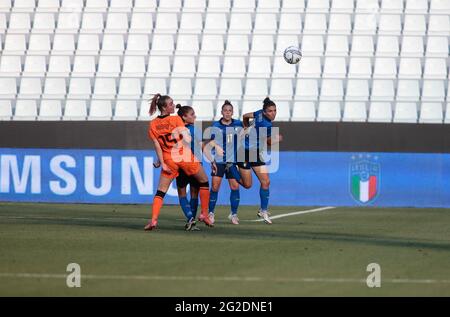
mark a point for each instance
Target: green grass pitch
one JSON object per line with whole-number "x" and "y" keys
{"x": 316, "y": 254}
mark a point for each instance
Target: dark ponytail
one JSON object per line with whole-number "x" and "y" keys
{"x": 183, "y": 110}
{"x": 227, "y": 103}
{"x": 158, "y": 101}
{"x": 268, "y": 103}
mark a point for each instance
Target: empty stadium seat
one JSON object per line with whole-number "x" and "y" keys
{"x": 166, "y": 23}
{"x": 108, "y": 66}
{"x": 433, "y": 90}
{"x": 230, "y": 88}
{"x": 75, "y": 110}
{"x": 360, "y": 67}
{"x": 310, "y": 67}
{"x": 329, "y": 111}
{"x": 68, "y": 22}
{"x": 382, "y": 90}
{"x": 55, "y": 88}
{"x": 117, "y": 23}
{"x": 312, "y": 45}
{"x": 205, "y": 88}
{"x": 435, "y": 68}
{"x": 194, "y": 5}
{"x": 63, "y": 44}
{"x": 30, "y": 88}
{"x": 431, "y": 112}
{"x": 158, "y": 66}
{"x": 304, "y": 111}
{"x": 43, "y": 23}
{"x": 412, "y": 46}
{"x": 191, "y": 23}
{"x": 162, "y": 44}
{"x": 216, "y": 23}
{"x": 255, "y": 88}
{"x": 133, "y": 66}
{"x": 39, "y": 44}
{"x": 113, "y": 44}
{"x": 129, "y": 88}
{"x": 8, "y": 88}
{"x": 212, "y": 45}
{"x": 208, "y": 66}
{"x": 306, "y": 89}
{"x": 331, "y": 89}
{"x": 380, "y": 112}
{"x": 204, "y": 110}
{"x": 315, "y": 23}
{"x": 100, "y": 110}
{"x": 337, "y": 45}
{"x": 339, "y": 24}
{"x": 153, "y": 86}
{"x": 187, "y": 44}
{"x": 281, "y": 69}
{"x": 387, "y": 46}
{"x": 405, "y": 112}
{"x": 180, "y": 88}
{"x": 437, "y": 46}
{"x": 364, "y": 24}
{"x": 408, "y": 90}
{"x": 439, "y": 25}
{"x": 10, "y": 65}
{"x": 414, "y": 25}
{"x": 105, "y": 88}
{"x": 262, "y": 45}
{"x": 233, "y": 66}
{"x": 5, "y": 110}
{"x": 362, "y": 46}
{"x": 219, "y": 6}
{"x": 265, "y": 23}
{"x": 290, "y": 23}
{"x": 25, "y": 110}
{"x": 50, "y": 110}
{"x": 342, "y": 6}
{"x": 137, "y": 44}
{"x": 390, "y": 24}
{"x": 80, "y": 88}
{"x": 334, "y": 67}
{"x": 357, "y": 90}
{"x": 355, "y": 111}
{"x": 15, "y": 44}
{"x": 281, "y": 89}
{"x": 35, "y": 66}
{"x": 385, "y": 68}
{"x": 237, "y": 45}
{"x": 410, "y": 68}
{"x": 259, "y": 67}
{"x": 125, "y": 110}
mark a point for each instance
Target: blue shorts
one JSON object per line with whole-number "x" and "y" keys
{"x": 221, "y": 171}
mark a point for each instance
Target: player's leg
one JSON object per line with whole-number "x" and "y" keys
{"x": 264, "y": 192}
{"x": 163, "y": 186}
{"x": 182, "y": 182}
{"x": 194, "y": 189}
{"x": 234, "y": 200}
{"x": 196, "y": 170}
{"x": 216, "y": 181}
{"x": 242, "y": 173}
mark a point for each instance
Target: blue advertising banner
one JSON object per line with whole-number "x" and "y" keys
{"x": 302, "y": 178}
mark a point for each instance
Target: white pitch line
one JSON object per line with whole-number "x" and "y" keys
{"x": 297, "y": 213}
{"x": 221, "y": 279}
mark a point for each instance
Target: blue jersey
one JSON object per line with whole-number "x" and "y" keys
{"x": 260, "y": 123}
{"x": 229, "y": 142}
{"x": 196, "y": 139}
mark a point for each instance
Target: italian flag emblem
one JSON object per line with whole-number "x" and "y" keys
{"x": 364, "y": 178}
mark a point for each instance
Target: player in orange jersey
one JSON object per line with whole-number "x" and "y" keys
{"x": 172, "y": 144}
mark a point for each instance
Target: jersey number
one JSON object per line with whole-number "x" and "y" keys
{"x": 167, "y": 139}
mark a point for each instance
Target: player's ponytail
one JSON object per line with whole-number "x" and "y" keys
{"x": 183, "y": 110}
{"x": 227, "y": 103}
{"x": 153, "y": 103}
{"x": 268, "y": 103}
{"x": 159, "y": 102}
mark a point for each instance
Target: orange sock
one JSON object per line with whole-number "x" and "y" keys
{"x": 157, "y": 204}
{"x": 204, "y": 200}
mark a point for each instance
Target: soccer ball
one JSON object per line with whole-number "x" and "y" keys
{"x": 292, "y": 55}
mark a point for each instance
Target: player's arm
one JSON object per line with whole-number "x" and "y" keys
{"x": 246, "y": 119}
{"x": 160, "y": 155}
{"x": 271, "y": 140}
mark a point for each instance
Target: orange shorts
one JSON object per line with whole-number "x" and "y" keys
{"x": 189, "y": 168}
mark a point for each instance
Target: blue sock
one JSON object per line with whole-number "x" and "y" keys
{"x": 264, "y": 195}
{"x": 212, "y": 200}
{"x": 234, "y": 201}
{"x": 234, "y": 171}
{"x": 194, "y": 206}
{"x": 184, "y": 203}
